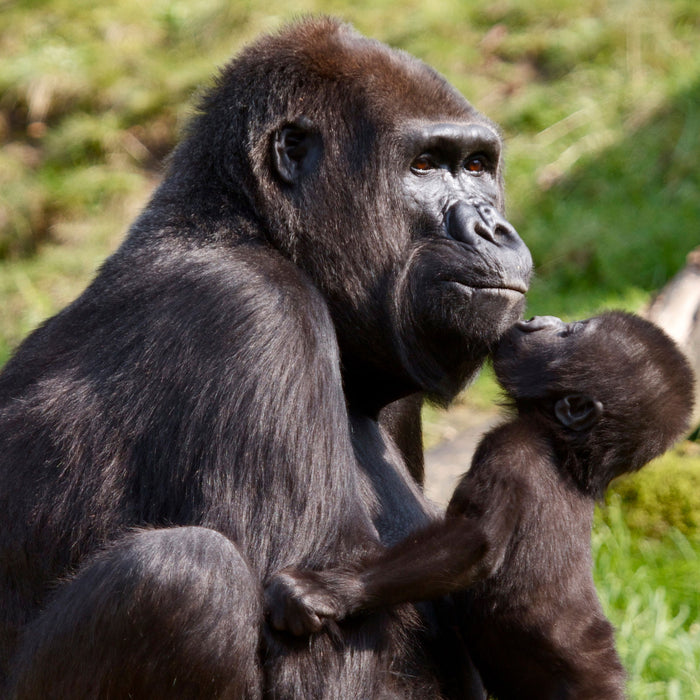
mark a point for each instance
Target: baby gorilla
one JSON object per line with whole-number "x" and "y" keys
{"x": 594, "y": 399}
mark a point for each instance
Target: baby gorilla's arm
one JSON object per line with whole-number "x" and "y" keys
{"x": 443, "y": 558}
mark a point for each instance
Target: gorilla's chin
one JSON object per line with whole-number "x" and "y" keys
{"x": 491, "y": 312}
{"x": 449, "y": 340}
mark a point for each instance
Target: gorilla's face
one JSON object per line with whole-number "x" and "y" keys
{"x": 468, "y": 270}
{"x": 389, "y": 194}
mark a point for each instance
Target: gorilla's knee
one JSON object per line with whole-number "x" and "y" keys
{"x": 161, "y": 613}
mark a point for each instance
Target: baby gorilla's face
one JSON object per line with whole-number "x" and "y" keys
{"x": 616, "y": 373}
{"x": 539, "y": 356}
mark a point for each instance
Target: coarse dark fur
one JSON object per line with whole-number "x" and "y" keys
{"x": 594, "y": 399}
{"x": 238, "y": 390}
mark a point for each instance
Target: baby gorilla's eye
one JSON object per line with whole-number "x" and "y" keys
{"x": 475, "y": 164}
{"x": 423, "y": 164}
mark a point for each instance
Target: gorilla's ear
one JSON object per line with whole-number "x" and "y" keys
{"x": 296, "y": 150}
{"x": 578, "y": 411}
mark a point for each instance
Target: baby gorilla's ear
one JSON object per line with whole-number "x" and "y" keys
{"x": 578, "y": 411}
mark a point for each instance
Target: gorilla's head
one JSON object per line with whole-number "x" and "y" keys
{"x": 378, "y": 179}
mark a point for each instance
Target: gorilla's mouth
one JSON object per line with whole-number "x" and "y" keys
{"x": 505, "y": 289}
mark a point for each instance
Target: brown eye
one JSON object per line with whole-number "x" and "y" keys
{"x": 422, "y": 164}
{"x": 475, "y": 164}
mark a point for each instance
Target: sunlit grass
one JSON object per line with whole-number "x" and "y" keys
{"x": 649, "y": 589}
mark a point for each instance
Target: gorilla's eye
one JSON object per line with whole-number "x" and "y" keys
{"x": 475, "y": 164}
{"x": 422, "y": 164}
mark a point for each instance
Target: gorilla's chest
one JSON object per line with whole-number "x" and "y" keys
{"x": 396, "y": 503}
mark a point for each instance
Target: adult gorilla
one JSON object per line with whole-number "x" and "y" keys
{"x": 238, "y": 384}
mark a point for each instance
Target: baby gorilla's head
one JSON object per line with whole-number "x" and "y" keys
{"x": 615, "y": 389}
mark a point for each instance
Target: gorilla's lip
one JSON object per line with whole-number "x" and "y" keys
{"x": 514, "y": 287}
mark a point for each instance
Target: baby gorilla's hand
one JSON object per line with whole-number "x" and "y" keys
{"x": 301, "y": 602}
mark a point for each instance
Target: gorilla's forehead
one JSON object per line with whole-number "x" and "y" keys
{"x": 390, "y": 82}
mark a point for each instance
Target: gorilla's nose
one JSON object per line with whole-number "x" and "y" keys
{"x": 474, "y": 223}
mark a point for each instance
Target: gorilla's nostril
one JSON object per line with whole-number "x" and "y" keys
{"x": 504, "y": 230}
{"x": 485, "y": 231}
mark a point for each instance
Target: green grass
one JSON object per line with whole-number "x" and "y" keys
{"x": 646, "y": 545}
{"x": 649, "y": 590}
{"x": 629, "y": 213}
{"x": 600, "y": 108}
{"x": 664, "y": 495}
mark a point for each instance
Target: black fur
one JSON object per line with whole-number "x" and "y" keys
{"x": 238, "y": 391}
{"x": 594, "y": 399}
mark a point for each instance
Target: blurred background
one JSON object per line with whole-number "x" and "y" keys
{"x": 599, "y": 102}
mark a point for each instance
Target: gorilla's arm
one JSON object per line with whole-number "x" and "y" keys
{"x": 200, "y": 340}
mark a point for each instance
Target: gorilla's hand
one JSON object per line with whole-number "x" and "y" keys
{"x": 301, "y": 602}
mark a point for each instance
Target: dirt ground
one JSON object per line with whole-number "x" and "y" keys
{"x": 450, "y": 458}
